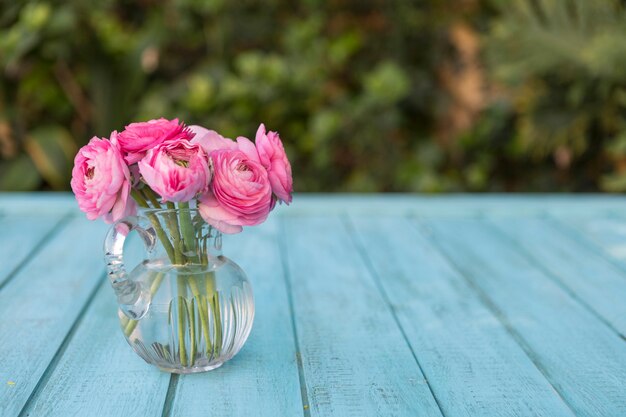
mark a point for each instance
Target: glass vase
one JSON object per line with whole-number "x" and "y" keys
{"x": 186, "y": 307}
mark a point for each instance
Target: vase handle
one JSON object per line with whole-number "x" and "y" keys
{"x": 133, "y": 297}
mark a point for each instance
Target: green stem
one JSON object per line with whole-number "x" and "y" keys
{"x": 204, "y": 259}
{"x": 175, "y": 253}
{"x": 172, "y": 224}
{"x": 217, "y": 347}
{"x": 184, "y": 241}
{"x": 129, "y": 325}
{"x": 186, "y": 226}
{"x": 152, "y": 197}
{"x": 181, "y": 330}
{"x": 204, "y": 314}
{"x": 214, "y": 303}
{"x": 139, "y": 198}
{"x": 192, "y": 330}
{"x": 167, "y": 245}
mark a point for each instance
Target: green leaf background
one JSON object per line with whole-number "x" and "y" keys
{"x": 420, "y": 95}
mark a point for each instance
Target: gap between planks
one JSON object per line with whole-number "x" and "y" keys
{"x": 283, "y": 259}
{"x": 62, "y": 222}
{"x": 43, "y": 381}
{"x": 492, "y": 307}
{"x": 376, "y": 278}
{"x": 591, "y": 244}
{"x": 566, "y": 288}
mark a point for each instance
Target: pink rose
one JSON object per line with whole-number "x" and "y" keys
{"x": 101, "y": 181}
{"x": 240, "y": 194}
{"x": 273, "y": 157}
{"x": 176, "y": 170}
{"x": 138, "y": 138}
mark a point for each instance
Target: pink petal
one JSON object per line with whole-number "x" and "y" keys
{"x": 247, "y": 147}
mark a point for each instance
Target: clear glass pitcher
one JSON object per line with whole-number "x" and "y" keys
{"x": 186, "y": 308}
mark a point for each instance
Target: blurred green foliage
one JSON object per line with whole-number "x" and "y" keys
{"x": 367, "y": 95}
{"x": 564, "y": 62}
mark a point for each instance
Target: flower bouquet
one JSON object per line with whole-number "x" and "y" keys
{"x": 186, "y": 307}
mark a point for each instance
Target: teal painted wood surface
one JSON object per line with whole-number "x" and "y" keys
{"x": 355, "y": 359}
{"x": 39, "y": 305}
{"x": 367, "y": 305}
{"x": 447, "y": 325}
{"x": 578, "y": 353}
{"x": 605, "y": 233}
{"x": 262, "y": 381}
{"x": 96, "y": 373}
{"x": 580, "y": 271}
{"x": 22, "y": 236}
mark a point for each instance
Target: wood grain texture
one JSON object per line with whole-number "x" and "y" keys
{"x": 397, "y": 204}
{"x": 355, "y": 359}
{"x": 474, "y": 366}
{"x": 584, "y": 273}
{"x": 21, "y": 237}
{"x": 262, "y": 380}
{"x": 98, "y": 373}
{"x": 361, "y": 311}
{"x": 582, "y": 357}
{"x": 40, "y": 304}
{"x": 606, "y": 233}
{"x": 452, "y": 205}
{"x": 36, "y": 204}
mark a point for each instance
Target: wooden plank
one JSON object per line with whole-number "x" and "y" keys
{"x": 454, "y": 205}
{"x": 583, "y": 273}
{"x": 355, "y": 359}
{"x": 118, "y": 382}
{"x": 607, "y": 233}
{"x": 20, "y": 239}
{"x": 583, "y": 358}
{"x": 336, "y": 344}
{"x": 262, "y": 380}
{"x": 40, "y": 304}
{"x": 471, "y": 362}
{"x": 38, "y": 203}
{"x": 98, "y": 373}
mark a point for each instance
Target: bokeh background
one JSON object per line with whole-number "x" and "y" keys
{"x": 387, "y": 95}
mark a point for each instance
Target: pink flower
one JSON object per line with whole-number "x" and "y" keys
{"x": 240, "y": 194}
{"x": 210, "y": 140}
{"x": 101, "y": 181}
{"x": 176, "y": 170}
{"x": 138, "y": 138}
{"x": 273, "y": 157}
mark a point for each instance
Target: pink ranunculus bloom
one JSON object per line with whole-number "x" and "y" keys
{"x": 240, "y": 194}
{"x": 139, "y": 138}
{"x": 176, "y": 170}
{"x": 273, "y": 157}
{"x": 210, "y": 140}
{"x": 101, "y": 181}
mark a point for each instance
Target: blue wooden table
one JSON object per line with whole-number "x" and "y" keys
{"x": 366, "y": 306}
